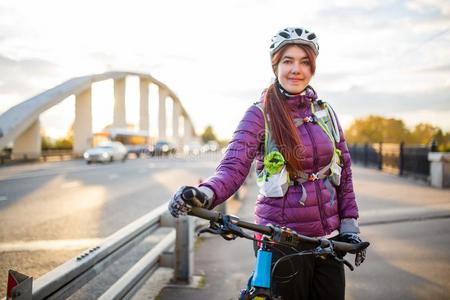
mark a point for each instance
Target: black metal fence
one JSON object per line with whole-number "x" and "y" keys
{"x": 401, "y": 159}
{"x": 6, "y": 156}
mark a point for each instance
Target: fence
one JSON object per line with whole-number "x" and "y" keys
{"x": 68, "y": 278}
{"x": 401, "y": 159}
{"x": 45, "y": 155}
{"x": 175, "y": 250}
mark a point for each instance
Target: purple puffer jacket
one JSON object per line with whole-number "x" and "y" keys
{"x": 319, "y": 216}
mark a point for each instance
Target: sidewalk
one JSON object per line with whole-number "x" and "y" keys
{"x": 224, "y": 265}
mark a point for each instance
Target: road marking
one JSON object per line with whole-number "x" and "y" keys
{"x": 63, "y": 244}
{"x": 3, "y": 198}
{"x": 49, "y": 245}
{"x": 113, "y": 176}
{"x": 438, "y": 207}
{"x": 70, "y": 184}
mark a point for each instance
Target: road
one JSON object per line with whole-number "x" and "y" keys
{"x": 51, "y": 212}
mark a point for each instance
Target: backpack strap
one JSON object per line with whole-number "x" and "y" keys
{"x": 326, "y": 119}
{"x": 269, "y": 144}
{"x": 266, "y": 127}
{"x": 332, "y": 115}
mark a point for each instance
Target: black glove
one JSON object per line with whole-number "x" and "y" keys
{"x": 179, "y": 206}
{"x": 353, "y": 238}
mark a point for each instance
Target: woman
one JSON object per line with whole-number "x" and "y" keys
{"x": 303, "y": 166}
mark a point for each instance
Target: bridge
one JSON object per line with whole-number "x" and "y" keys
{"x": 21, "y": 125}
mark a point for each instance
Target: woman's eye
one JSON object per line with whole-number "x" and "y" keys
{"x": 305, "y": 62}
{"x": 287, "y": 61}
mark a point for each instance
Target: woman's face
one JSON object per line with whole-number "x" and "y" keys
{"x": 294, "y": 70}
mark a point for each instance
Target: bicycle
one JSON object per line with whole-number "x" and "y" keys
{"x": 259, "y": 284}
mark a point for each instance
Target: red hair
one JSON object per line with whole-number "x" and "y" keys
{"x": 283, "y": 130}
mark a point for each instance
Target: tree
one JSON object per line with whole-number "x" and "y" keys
{"x": 442, "y": 140}
{"x": 375, "y": 129}
{"x": 46, "y": 142}
{"x": 209, "y": 135}
{"x": 423, "y": 133}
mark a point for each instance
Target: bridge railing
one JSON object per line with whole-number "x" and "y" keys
{"x": 68, "y": 278}
{"x": 401, "y": 159}
{"x": 175, "y": 250}
{"x": 45, "y": 155}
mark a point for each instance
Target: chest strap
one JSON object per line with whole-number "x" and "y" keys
{"x": 309, "y": 119}
{"x": 304, "y": 177}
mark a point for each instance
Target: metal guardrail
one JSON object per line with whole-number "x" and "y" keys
{"x": 44, "y": 155}
{"x": 68, "y": 278}
{"x": 61, "y": 154}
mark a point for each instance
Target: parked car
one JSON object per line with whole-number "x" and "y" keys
{"x": 212, "y": 146}
{"x": 137, "y": 150}
{"x": 106, "y": 152}
{"x": 162, "y": 148}
{"x": 193, "y": 148}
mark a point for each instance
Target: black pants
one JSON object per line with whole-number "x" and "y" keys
{"x": 316, "y": 278}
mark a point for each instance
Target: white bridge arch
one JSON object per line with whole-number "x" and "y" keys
{"x": 20, "y": 124}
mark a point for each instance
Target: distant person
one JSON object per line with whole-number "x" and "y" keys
{"x": 303, "y": 168}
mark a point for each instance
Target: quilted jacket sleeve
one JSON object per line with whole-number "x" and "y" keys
{"x": 239, "y": 155}
{"x": 345, "y": 193}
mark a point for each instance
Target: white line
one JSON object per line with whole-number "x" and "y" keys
{"x": 70, "y": 184}
{"x": 439, "y": 207}
{"x": 62, "y": 244}
{"x": 49, "y": 245}
{"x": 113, "y": 176}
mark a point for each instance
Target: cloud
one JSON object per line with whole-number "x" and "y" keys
{"x": 437, "y": 68}
{"x": 24, "y": 77}
{"x": 360, "y": 102}
{"x": 429, "y": 6}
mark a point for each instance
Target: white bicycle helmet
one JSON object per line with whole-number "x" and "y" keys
{"x": 294, "y": 35}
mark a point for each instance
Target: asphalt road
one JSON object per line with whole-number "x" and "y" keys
{"x": 51, "y": 212}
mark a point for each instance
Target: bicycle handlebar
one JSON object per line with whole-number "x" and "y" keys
{"x": 214, "y": 216}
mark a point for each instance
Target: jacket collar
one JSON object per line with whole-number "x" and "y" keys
{"x": 307, "y": 96}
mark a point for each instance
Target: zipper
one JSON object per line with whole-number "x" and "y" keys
{"x": 316, "y": 182}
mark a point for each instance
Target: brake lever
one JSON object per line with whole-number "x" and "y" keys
{"x": 346, "y": 262}
{"x": 218, "y": 229}
{"x": 208, "y": 230}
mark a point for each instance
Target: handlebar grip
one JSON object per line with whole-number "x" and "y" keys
{"x": 350, "y": 248}
{"x": 203, "y": 213}
{"x": 193, "y": 196}
{"x": 190, "y": 192}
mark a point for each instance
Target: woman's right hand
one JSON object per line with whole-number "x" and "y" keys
{"x": 181, "y": 207}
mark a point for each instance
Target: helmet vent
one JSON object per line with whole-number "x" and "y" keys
{"x": 311, "y": 36}
{"x": 298, "y": 31}
{"x": 285, "y": 35}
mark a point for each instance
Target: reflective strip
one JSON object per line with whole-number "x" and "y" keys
{"x": 330, "y": 189}
{"x": 304, "y": 195}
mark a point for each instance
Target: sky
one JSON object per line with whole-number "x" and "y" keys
{"x": 389, "y": 58}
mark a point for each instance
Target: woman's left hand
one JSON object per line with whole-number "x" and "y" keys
{"x": 353, "y": 238}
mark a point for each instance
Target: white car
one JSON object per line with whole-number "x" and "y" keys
{"x": 193, "y": 148}
{"x": 106, "y": 152}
